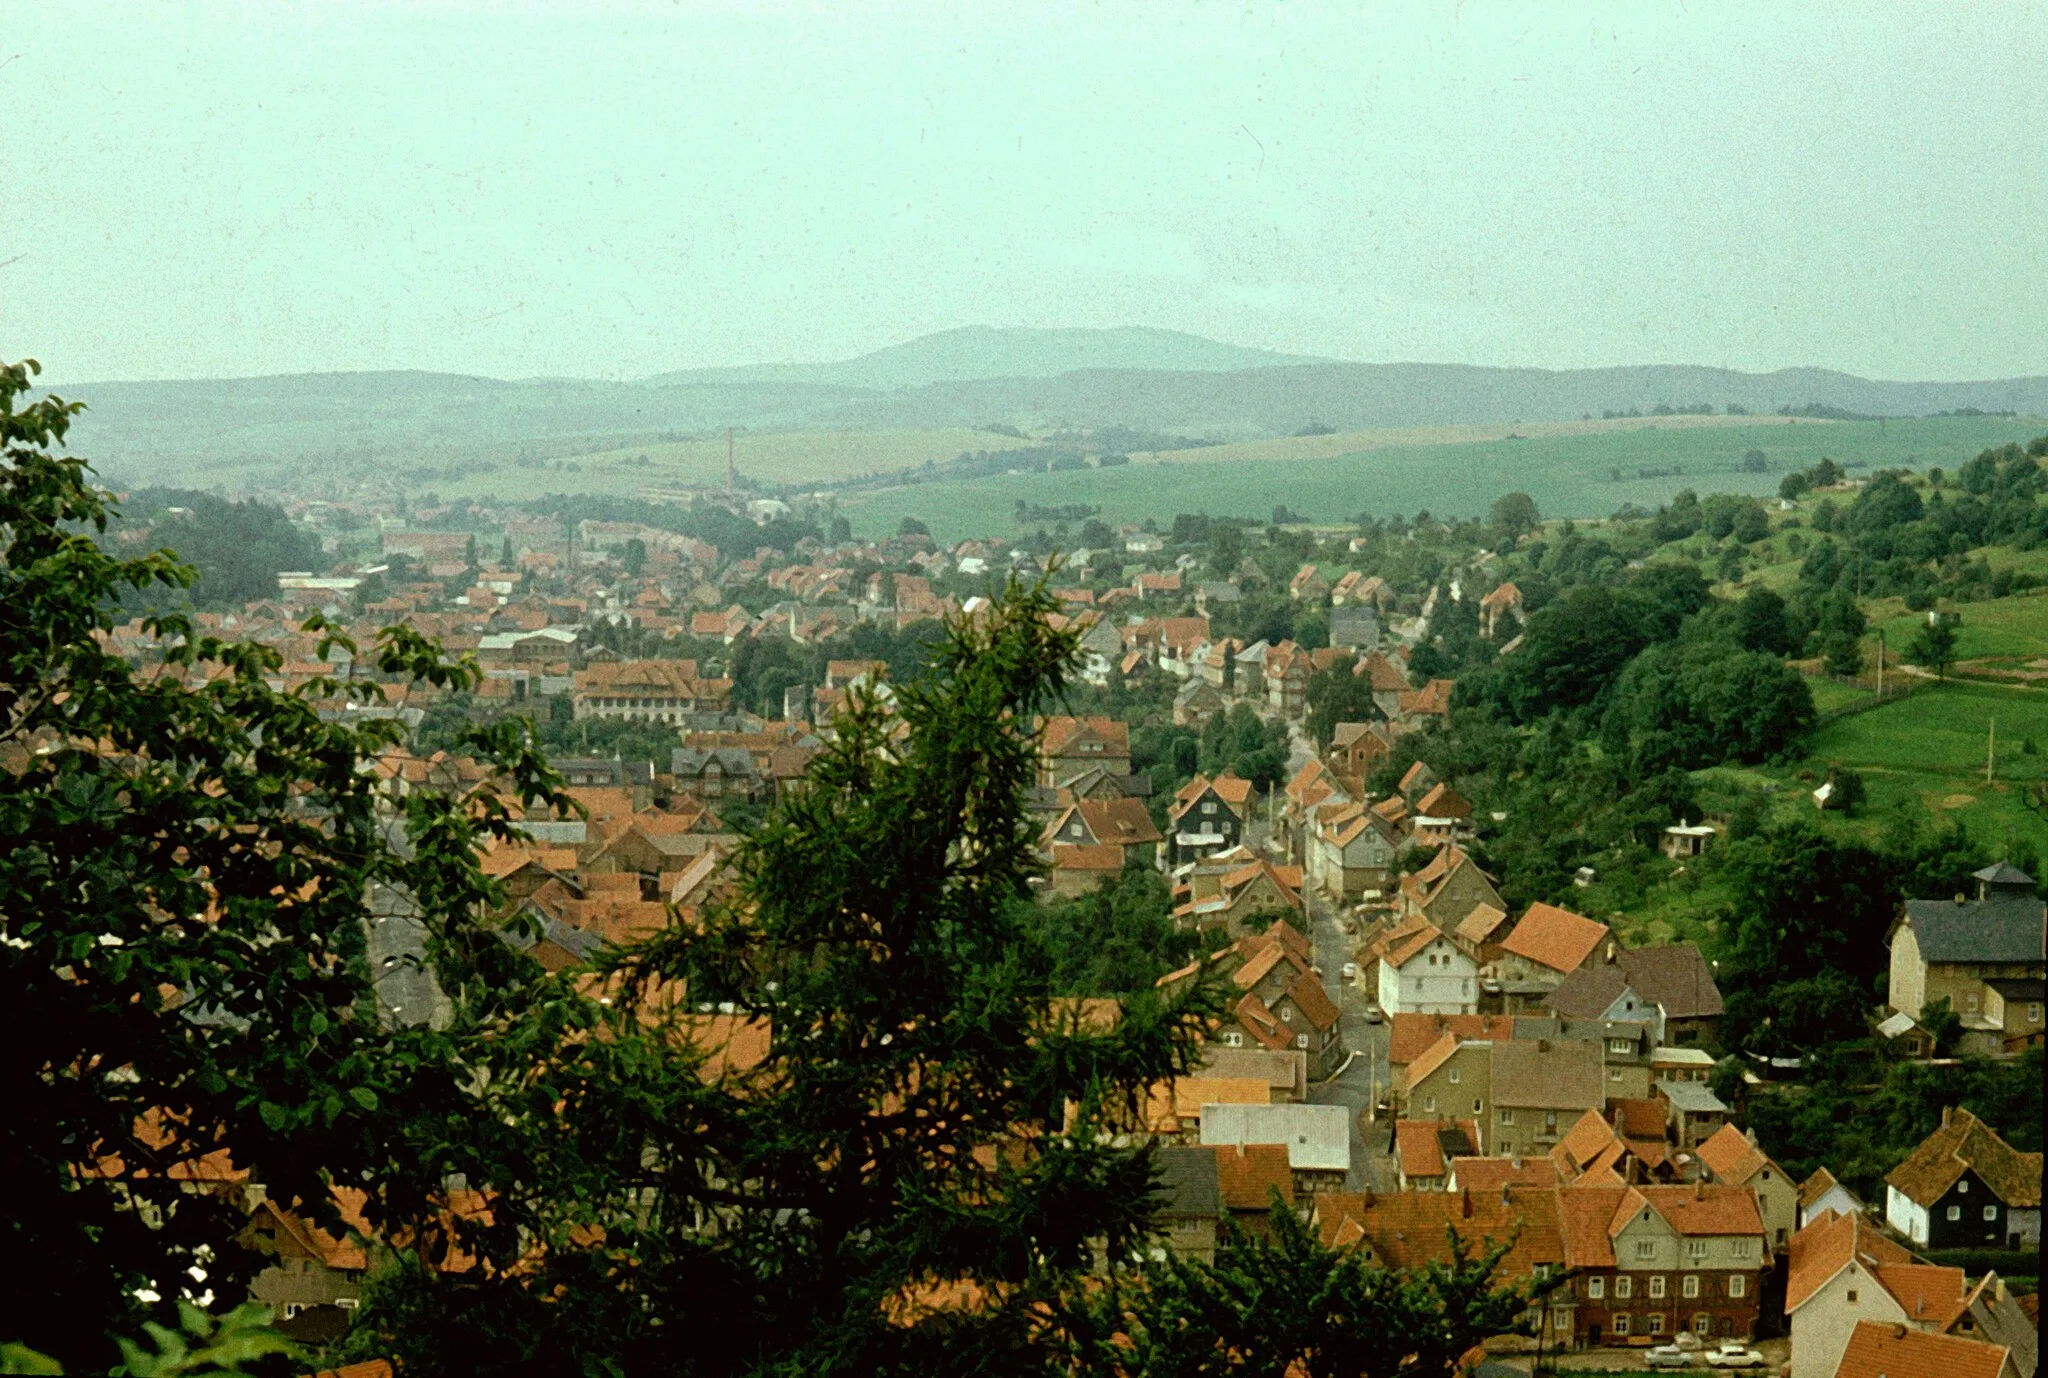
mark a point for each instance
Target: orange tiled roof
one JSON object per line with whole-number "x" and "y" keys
{"x": 1880, "y": 1350}
{"x": 1555, "y": 938}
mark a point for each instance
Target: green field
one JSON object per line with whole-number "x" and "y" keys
{"x": 1927, "y": 753}
{"x": 1568, "y": 475}
{"x": 2013, "y": 629}
{"x": 788, "y": 457}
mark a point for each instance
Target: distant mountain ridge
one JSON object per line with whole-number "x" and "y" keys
{"x": 1037, "y": 381}
{"x": 975, "y": 352}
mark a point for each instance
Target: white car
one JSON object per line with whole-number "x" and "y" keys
{"x": 1734, "y": 1354}
{"x": 1351, "y": 971}
{"x": 1667, "y": 1356}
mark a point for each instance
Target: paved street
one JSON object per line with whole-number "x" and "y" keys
{"x": 1364, "y": 1078}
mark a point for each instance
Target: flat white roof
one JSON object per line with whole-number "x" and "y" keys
{"x": 1318, "y": 1137}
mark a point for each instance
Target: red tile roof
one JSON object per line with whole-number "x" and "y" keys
{"x": 1877, "y": 1349}
{"x": 1555, "y": 938}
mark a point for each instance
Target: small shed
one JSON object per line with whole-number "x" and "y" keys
{"x": 1686, "y": 839}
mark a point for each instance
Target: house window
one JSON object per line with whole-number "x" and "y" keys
{"x": 1703, "y": 1324}
{"x": 1596, "y": 1288}
{"x": 1656, "y": 1323}
{"x": 1617, "y": 1045}
{"x": 1614, "y": 1075}
{"x": 1550, "y": 1119}
{"x": 1454, "y": 1076}
{"x": 1624, "y": 1288}
{"x": 1208, "y": 807}
{"x": 1955, "y": 1212}
{"x": 1991, "y": 1212}
{"x": 1691, "y": 1286}
{"x": 1695, "y": 1248}
{"x": 1963, "y": 1187}
{"x": 1741, "y": 1247}
{"x": 1621, "y": 1322}
{"x": 1656, "y": 1284}
{"x": 1301, "y": 1040}
{"x": 1970, "y": 1003}
{"x": 1507, "y": 1116}
{"x": 2033, "y": 1014}
{"x": 1738, "y": 1285}
{"x": 1477, "y": 1107}
{"x": 1233, "y": 1040}
{"x": 1733, "y": 1281}
{"x": 1646, "y": 1248}
{"x": 1429, "y": 1105}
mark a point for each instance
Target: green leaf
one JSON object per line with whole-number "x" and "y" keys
{"x": 17, "y": 1358}
{"x": 274, "y": 1115}
{"x": 364, "y": 1096}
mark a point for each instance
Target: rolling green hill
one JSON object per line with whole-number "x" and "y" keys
{"x": 1569, "y": 475}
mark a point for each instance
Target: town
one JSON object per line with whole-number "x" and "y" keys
{"x": 1409, "y": 1049}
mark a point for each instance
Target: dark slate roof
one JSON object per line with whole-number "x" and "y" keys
{"x": 2027, "y": 988}
{"x": 2003, "y": 873}
{"x": 1996, "y": 930}
{"x": 1188, "y": 1184}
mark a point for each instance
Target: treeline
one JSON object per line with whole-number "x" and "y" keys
{"x": 238, "y": 548}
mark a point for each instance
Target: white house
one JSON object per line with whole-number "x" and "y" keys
{"x": 1423, "y": 972}
{"x": 1820, "y": 1194}
{"x": 1843, "y": 1271}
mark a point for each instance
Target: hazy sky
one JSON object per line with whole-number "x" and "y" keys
{"x": 617, "y": 190}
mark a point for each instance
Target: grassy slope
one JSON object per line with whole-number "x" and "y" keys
{"x": 785, "y": 458}
{"x": 1569, "y": 475}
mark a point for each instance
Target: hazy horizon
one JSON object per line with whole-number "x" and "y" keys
{"x": 582, "y": 191}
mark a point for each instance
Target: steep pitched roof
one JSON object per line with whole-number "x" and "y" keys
{"x": 1996, "y": 930}
{"x": 1444, "y": 802}
{"x": 1880, "y": 1350}
{"x": 1481, "y": 924}
{"x": 1730, "y": 1155}
{"x": 1700, "y": 1209}
{"x": 1555, "y": 938}
{"x": 1411, "y": 1034}
{"x": 1248, "y": 1174}
{"x": 1062, "y": 733}
{"x": 1585, "y": 1215}
{"x": 1313, "y": 1001}
{"x": 1966, "y": 1143}
{"x": 1543, "y": 1075}
{"x": 1420, "y": 1145}
{"x": 1499, "y": 1174}
{"x": 1439, "y": 1053}
{"x": 1826, "y": 1246}
{"x": 1816, "y": 1186}
{"x": 1674, "y": 975}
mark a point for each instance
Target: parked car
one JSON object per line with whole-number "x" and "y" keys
{"x": 1351, "y": 971}
{"x": 1734, "y": 1354}
{"x": 1375, "y": 1015}
{"x": 1667, "y": 1356}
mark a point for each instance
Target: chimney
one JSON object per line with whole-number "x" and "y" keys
{"x": 1465, "y": 1203}
{"x": 1899, "y": 1330}
{"x": 1365, "y": 1198}
{"x": 1945, "y": 1110}
{"x": 1699, "y": 1188}
{"x": 1515, "y": 1161}
{"x": 1610, "y": 952}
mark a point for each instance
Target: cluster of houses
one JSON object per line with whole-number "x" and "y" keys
{"x": 1548, "y": 1086}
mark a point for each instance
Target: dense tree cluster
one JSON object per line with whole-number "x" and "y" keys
{"x": 237, "y": 549}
